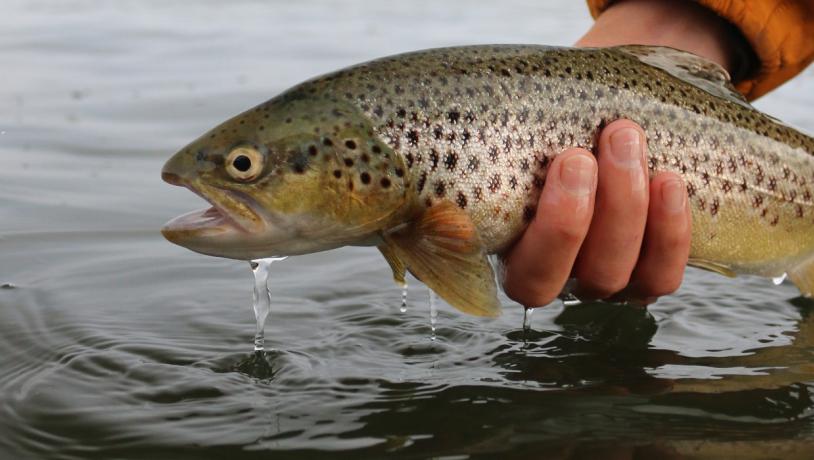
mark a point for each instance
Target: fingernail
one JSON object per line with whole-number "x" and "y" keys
{"x": 627, "y": 152}
{"x": 577, "y": 175}
{"x": 673, "y": 195}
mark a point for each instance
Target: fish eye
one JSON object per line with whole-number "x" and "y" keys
{"x": 244, "y": 163}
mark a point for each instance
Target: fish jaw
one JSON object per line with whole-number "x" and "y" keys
{"x": 219, "y": 229}
{"x": 237, "y": 227}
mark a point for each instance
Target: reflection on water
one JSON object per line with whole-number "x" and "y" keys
{"x": 116, "y": 344}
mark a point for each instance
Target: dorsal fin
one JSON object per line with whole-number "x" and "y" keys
{"x": 689, "y": 67}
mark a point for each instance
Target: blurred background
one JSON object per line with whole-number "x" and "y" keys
{"x": 115, "y": 343}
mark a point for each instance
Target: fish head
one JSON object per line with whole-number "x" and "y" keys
{"x": 295, "y": 175}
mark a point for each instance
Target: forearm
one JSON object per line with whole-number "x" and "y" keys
{"x": 679, "y": 24}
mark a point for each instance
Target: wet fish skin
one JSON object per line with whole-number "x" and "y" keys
{"x": 369, "y": 154}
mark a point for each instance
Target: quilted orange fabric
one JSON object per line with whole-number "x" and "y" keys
{"x": 781, "y": 33}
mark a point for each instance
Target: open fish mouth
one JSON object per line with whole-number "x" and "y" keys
{"x": 231, "y": 215}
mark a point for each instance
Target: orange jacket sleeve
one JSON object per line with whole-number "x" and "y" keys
{"x": 781, "y": 32}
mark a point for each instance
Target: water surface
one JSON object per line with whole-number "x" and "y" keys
{"x": 116, "y": 344}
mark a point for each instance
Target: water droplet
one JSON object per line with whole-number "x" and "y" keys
{"x": 433, "y": 314}
{"x": 403, "y": 308}
{"x": 527, "y": 319}
{"x": 261, "y": 298}
{"x": 778, "y": 280}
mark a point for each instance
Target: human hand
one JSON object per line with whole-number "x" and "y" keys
{"x": 605, "y": 222}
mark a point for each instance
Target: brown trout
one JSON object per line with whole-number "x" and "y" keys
{"x": 438, "y": 158}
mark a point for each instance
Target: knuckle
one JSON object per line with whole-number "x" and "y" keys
{"x": 570, "y": 235}
{"x": 630, "y": 204}
{"x": 675, "y": 242}
{"x": 637, "y": 202}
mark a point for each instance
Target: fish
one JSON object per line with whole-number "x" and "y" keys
{"x": 438, "y": 157}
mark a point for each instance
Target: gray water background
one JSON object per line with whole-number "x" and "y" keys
{"x": 116, "y": 344}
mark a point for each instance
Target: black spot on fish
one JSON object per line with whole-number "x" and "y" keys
{"x": 385, "y": 182}
{"x": 337, "y": 173}
{"x": 365, "y": 177}
{"x": 440, "y": 189}
{"x": 714, "y": 206}
{"x": 399, "y": 172}
{"x": 451, "y": 160}
{"x": 507, "y": 145}
{"x": 494, "y": 183}
{"x": 351, "y": 144}
{"x": 410, "y": 159}
{"x": 422, "y": 181}
{"x": 312, "y": 150}
{"x": 461, "y": 200}
{"x": 478, "y": 193}
{"x": 298, "y": 161}
{"x": 348, "y": 162}
{"x": 327, "y": 142}
{"x": 493, "y": 154}
{"x": 473, "y": 164}
{"x": 401, "y": 113}
{"x": 454, "y": 116}
{"x": 412, "y": 138}
{"x": 434, "y": 159}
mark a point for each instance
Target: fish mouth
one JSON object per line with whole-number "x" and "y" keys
{"x": 232, "y": 215}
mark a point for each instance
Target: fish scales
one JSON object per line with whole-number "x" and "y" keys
{"x": 477, "y": 127}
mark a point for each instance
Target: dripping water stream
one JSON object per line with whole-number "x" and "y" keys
{"x": 403, "y": 308}
{"x": 261, "y": 298}
{"x": 527, "y": 320}
{"x": 433, "y": 314}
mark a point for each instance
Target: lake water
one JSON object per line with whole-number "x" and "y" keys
{"x": 117, "y": 344}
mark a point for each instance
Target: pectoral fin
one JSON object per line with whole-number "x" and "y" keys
{"x": 395, "y": 263}
{"x": 442, "y": 249}
{"x": 712, "y": 266}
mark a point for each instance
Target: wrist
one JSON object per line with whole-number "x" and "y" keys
{"x": 683, "y": 25}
